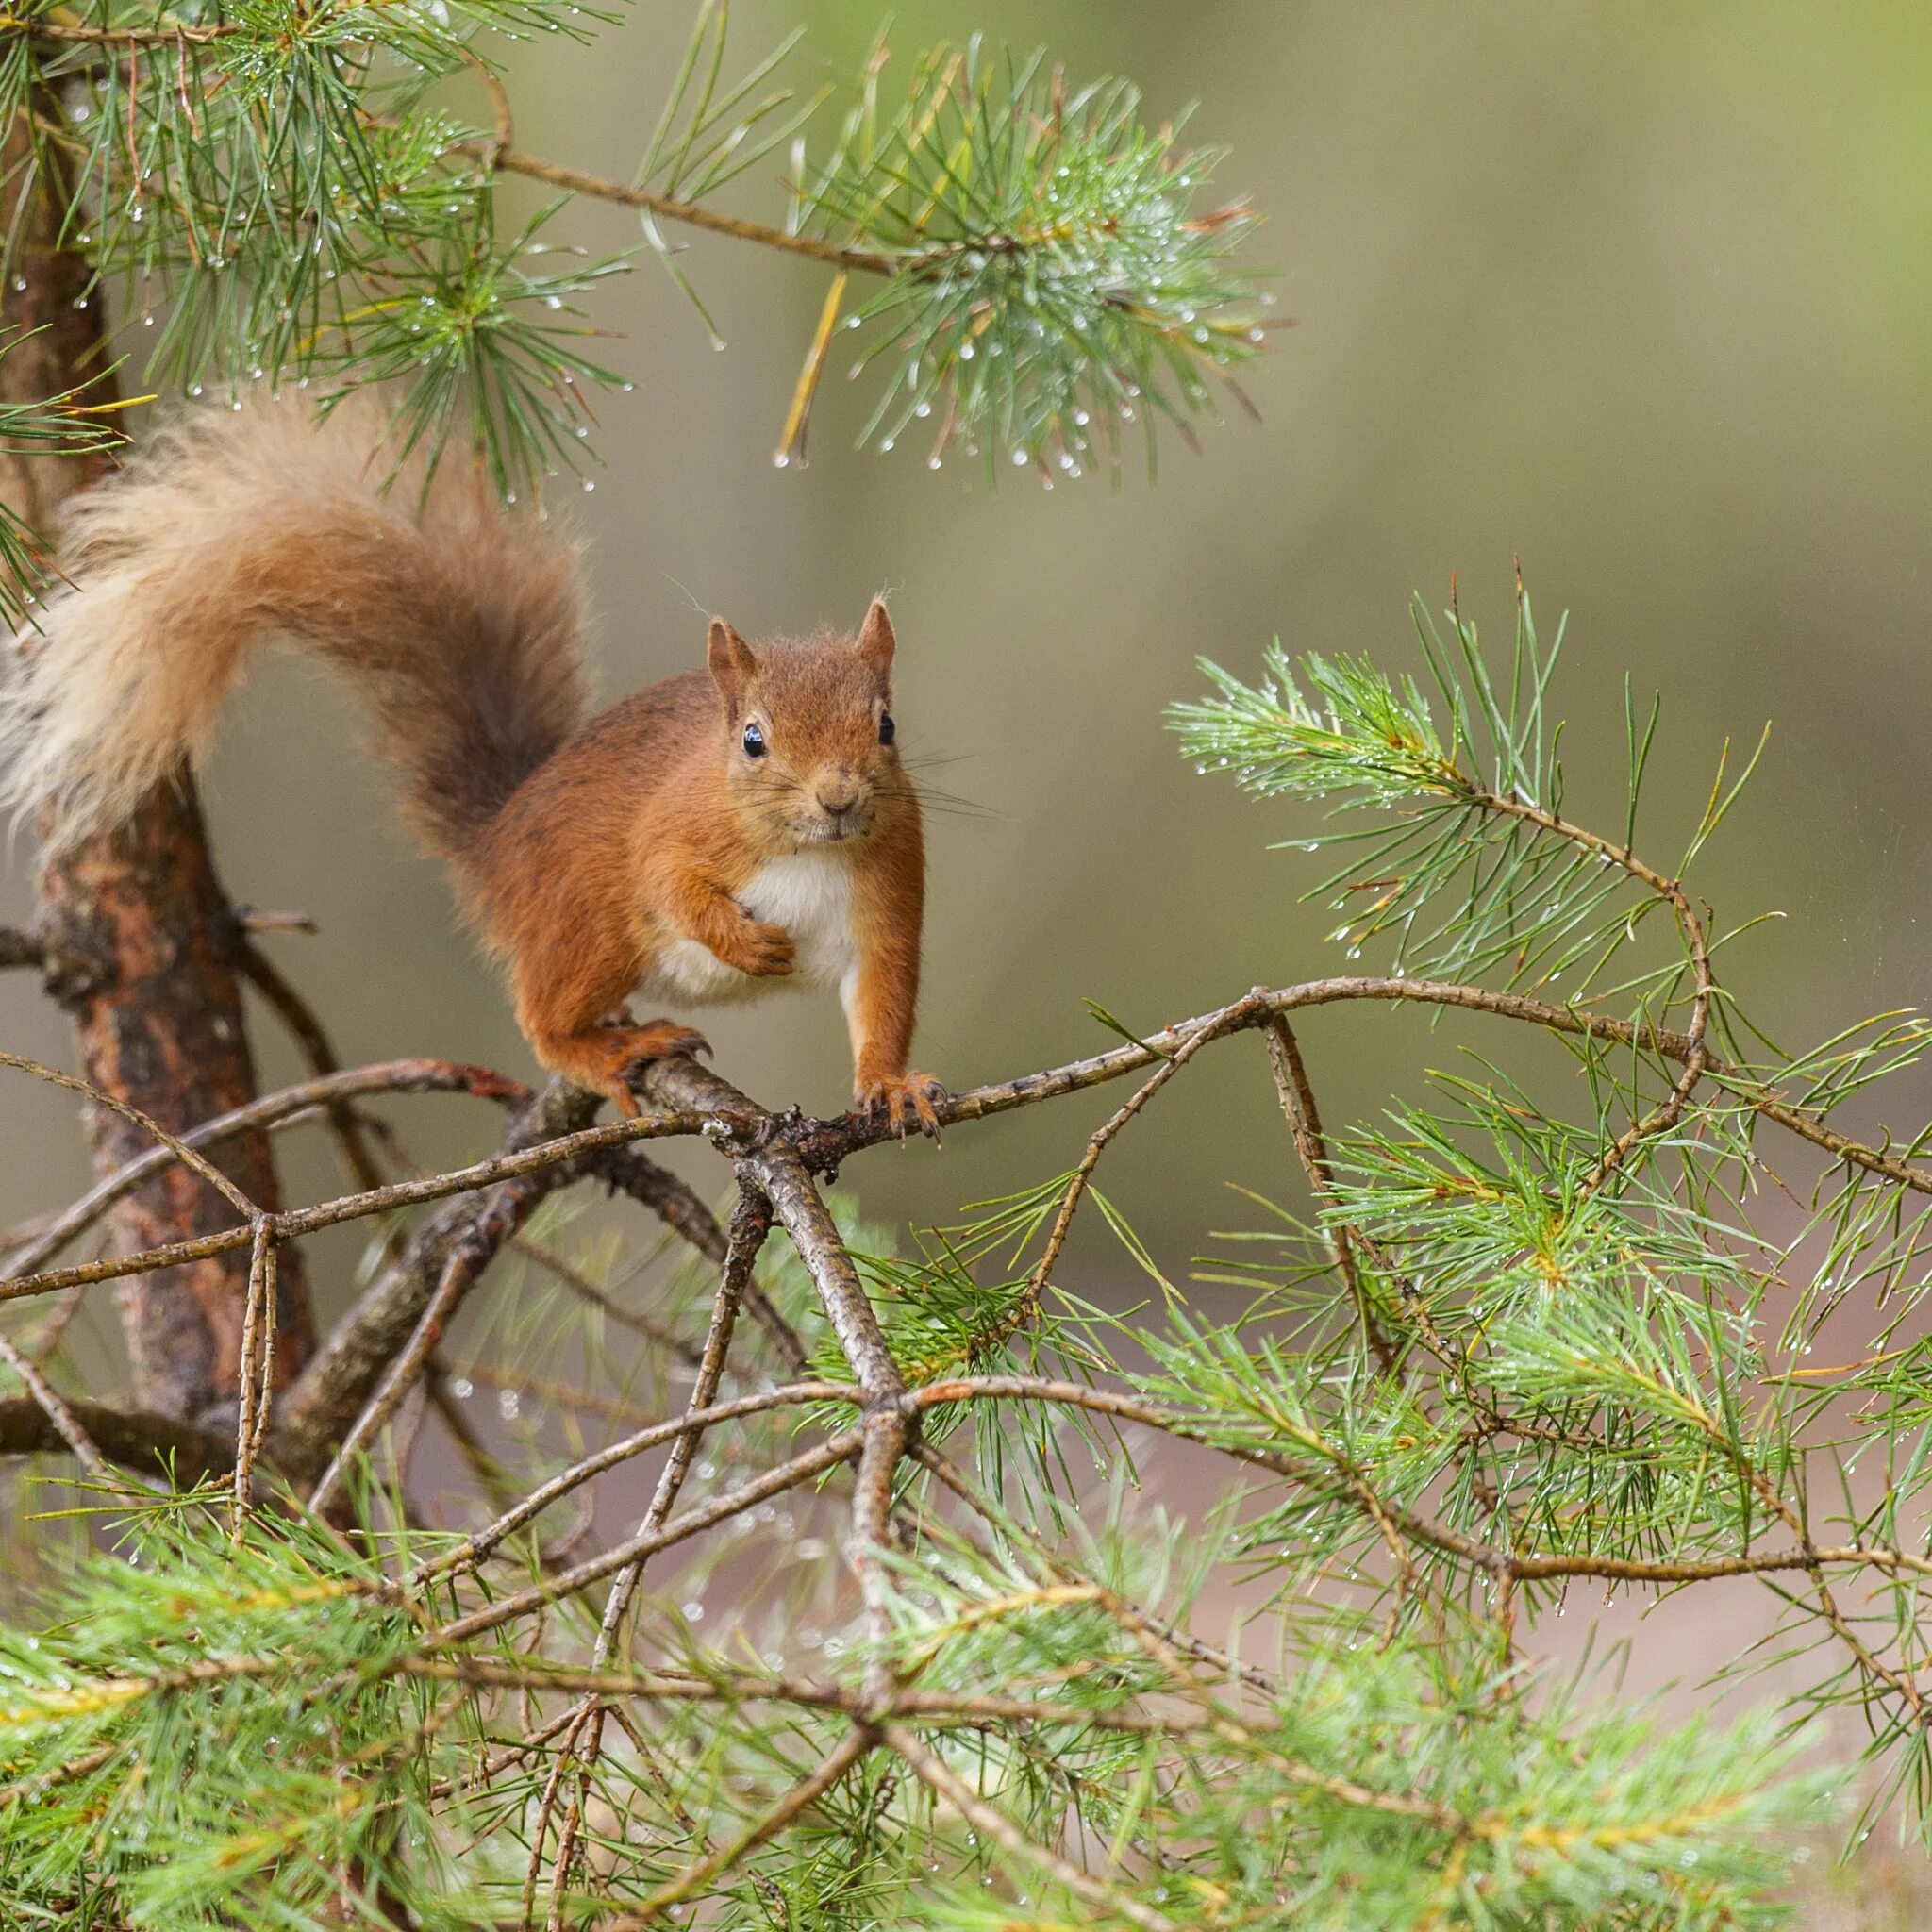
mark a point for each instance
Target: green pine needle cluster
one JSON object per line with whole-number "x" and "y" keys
{"x": 1054, "y": 272}
{"x": 211, "y": 1729}
{"x": 78, "y": 423}
{"x": 283, "y": 192}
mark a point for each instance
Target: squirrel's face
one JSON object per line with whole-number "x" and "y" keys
{"x": 808, "y": 735}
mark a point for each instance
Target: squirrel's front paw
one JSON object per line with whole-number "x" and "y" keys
{"x": 907, "y": 1100}
{"x": 766, "y": 952}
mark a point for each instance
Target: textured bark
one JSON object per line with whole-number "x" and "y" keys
{"x": 138, "y": 935}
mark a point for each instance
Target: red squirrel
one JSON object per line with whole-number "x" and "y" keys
{"x": 707, "y": 840}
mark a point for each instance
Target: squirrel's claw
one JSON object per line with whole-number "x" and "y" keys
{"x": 907, "y": 1100}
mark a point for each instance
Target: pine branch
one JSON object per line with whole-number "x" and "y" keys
{"x": 1044, "y": 275}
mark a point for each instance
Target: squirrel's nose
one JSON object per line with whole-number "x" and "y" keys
{"x": 837, "y": 791}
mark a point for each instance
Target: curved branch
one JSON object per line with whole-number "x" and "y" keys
{"x": 823, "y": 1144}
{"x": 149, "y": 1444}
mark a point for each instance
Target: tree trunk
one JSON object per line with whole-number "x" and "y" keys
{"x": 141, "y": 938}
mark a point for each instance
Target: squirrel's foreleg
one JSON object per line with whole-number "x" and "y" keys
{"x": 881, "y": 998}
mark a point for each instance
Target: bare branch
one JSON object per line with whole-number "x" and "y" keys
{"x": 149, "y": 1444}
{"x": 1297, "y": 1097}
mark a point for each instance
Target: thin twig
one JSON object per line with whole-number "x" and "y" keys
{"x": 1297, "y": 1097}
{"x": 72, "y": 1431}
{"x": 932, "y": 1771}
{"x": 774, "y": 1482}
{"x": 692, "y": 1422}
{"x": 807, "y": 1792}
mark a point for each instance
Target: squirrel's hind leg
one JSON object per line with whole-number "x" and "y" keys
{"x": 606, "y": 1055}
{"x": 565, "y": 997}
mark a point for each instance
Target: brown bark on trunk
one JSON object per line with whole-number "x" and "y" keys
{"x": 140, "y": 939}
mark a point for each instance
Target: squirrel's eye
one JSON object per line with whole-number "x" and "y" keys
{"x": 754, "y": 742}
{"x": 887, "y": 731}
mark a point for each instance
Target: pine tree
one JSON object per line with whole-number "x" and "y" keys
{"x": 1522, "y": 1339}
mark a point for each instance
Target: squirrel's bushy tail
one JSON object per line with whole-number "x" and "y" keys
{"x": 459, "y": 625}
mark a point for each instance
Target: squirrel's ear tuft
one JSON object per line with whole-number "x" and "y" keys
{"x": 731, "y": 661}
{"x": 876, "y": 642}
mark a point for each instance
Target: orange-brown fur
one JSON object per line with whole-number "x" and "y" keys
{"x": 593, "y": 857}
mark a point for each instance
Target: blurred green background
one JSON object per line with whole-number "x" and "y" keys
{"x": 1642, "y": 294}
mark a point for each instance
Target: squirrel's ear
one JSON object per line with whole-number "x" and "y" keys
{"x": 731, "y": 661}
{"x": 876, "y": 642}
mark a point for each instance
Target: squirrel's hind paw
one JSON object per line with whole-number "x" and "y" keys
{"x": 610, "y": 1057}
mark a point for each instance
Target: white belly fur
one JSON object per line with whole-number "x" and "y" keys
{"x": 809, "y": 894}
